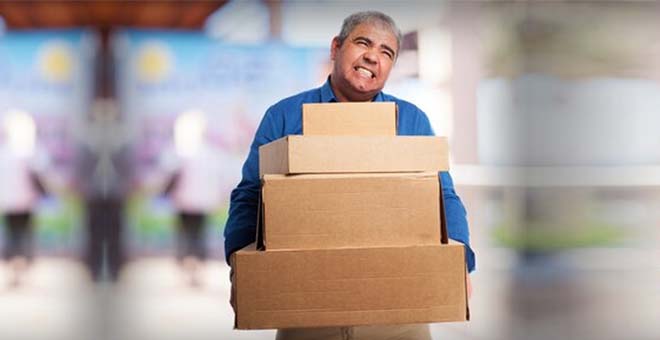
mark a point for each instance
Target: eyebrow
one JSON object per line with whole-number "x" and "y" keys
{"x": 383, "y": 46}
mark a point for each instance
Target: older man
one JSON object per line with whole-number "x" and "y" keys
{"x": 363, "y": 53}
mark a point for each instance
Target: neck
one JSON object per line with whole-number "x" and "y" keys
{"x": 350, "y": 97}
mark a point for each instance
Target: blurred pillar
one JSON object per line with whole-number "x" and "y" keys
{"x": 464, "y": 22}
{"x": 275, "y": 11}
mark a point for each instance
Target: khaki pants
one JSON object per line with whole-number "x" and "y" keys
{"x": 395, "y": 332}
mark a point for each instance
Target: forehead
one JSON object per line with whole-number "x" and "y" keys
{"x": 378, "y": 32}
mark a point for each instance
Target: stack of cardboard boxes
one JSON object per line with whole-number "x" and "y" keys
{"x": 351, "y": 228}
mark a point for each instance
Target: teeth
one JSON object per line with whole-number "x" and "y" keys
{"x": 365, "y": 72}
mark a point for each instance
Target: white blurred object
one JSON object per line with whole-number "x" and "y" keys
{"x": 18, "y": 193}
{"x": 200, "y": 187}
{"x": 435, "y": 63}
{"x": 189, "y": 132}
{"x": 20, "y": 132}
{"x": 315, "y": 23}
{"x": 17, "y": 162}
{"x": 541, "y": 120}
{"x": 246, "y": 21}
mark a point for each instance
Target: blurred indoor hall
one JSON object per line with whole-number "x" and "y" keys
{"x": 57, "y": 300}
{"x": 552, "y": 126}
{"x": 581, "y": 294}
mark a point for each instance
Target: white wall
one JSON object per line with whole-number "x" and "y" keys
{"x": 543, "y": 120}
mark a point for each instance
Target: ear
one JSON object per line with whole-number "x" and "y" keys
{"x": 334, "y": 47}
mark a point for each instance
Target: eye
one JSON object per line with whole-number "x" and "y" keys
{"x": 362, "y": 42}
{"x": 388, "y": 54}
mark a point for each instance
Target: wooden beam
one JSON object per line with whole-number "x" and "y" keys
{"x": 15, "y": 14}
{"x": 105, "y": 14}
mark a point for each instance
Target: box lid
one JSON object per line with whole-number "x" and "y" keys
{"x": 357, "y": 119}
{"x": 296, "y": 154}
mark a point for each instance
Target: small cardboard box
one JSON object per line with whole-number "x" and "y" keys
{"x": 297, "y": 154}
{"x": 350, "y": 286}
{"x": 356, "y": 119}
{"x": 350, "y": 210}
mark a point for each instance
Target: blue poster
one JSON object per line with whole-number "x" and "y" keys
{"x": 46, "y": 88}
{"x": 180, "y": 80}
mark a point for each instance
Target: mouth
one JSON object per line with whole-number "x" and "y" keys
{"x": 365, "y": 72}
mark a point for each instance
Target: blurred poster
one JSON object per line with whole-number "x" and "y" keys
{"x": 46, "y": 86}
{"x": 225, "y": 88}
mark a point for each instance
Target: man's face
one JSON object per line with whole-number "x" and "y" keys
{"x": 362, "y": 62}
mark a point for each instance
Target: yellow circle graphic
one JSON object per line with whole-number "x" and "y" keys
{"x": 56, "y": 61}
{"x": 154, "y": 62}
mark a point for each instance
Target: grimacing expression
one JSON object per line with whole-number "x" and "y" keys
{"x": 362, "y": 62}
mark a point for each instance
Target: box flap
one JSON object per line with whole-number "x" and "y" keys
{"x": 274, "y": 156}
{"x": 354, "y": 154}
{"x": 412, "y": 175}
{"x": 260, "y": 240}
{"x": 467, "y": 301}
{"x": 444, "y": 235}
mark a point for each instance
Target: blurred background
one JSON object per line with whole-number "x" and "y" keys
{"x": 125, "y": 125}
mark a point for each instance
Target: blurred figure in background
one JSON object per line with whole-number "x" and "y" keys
{"x": 104, "y": 175}
{"x": 21, "y": 187}
{"x": 195, "y": 187}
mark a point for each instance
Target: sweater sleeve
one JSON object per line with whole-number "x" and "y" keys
{"x": 457, "y": 225}
{"x": 241, "y": 226}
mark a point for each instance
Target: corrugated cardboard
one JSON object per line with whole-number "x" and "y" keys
{"x": 297, "y": 154}
{"x": 350, "y": 210}
{"x": 344, "y": 287}
{"x": 356, "y": 119}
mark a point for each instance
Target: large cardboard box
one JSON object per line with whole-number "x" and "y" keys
{"x": 350, "y": 286}
{"x": 350, "y": 210}
{"x": 357, "y": 119}
{"x": 297, "y": 154}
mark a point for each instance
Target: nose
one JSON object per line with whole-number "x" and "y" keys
{"x": 370, "y": 57}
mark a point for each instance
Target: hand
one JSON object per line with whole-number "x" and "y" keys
{"x": 468, "y": 284}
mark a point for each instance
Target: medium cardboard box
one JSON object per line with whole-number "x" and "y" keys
{"x": 357, "y": 119}
{"x": 350, "y": 286}
{"x": 350, "y": 210}
{"x": 297, "y": 154}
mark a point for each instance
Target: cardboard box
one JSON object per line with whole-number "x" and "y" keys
{"x": 297, "y": 154}
{"x": 350, "y": 210}
{"x": 345, "y": 287}
{"x": 356, "y": 119}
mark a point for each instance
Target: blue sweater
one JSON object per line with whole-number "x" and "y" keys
{"x": 285, "y": 118}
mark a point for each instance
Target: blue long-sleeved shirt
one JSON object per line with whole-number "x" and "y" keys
{"x": 285, "y": 118}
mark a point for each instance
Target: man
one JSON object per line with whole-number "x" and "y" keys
{"x": 363, "y": 55}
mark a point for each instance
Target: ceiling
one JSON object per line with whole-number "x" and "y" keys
{"x": 103, "y": 15}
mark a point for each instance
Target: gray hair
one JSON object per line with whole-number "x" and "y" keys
{"x": 358, "y": 18}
